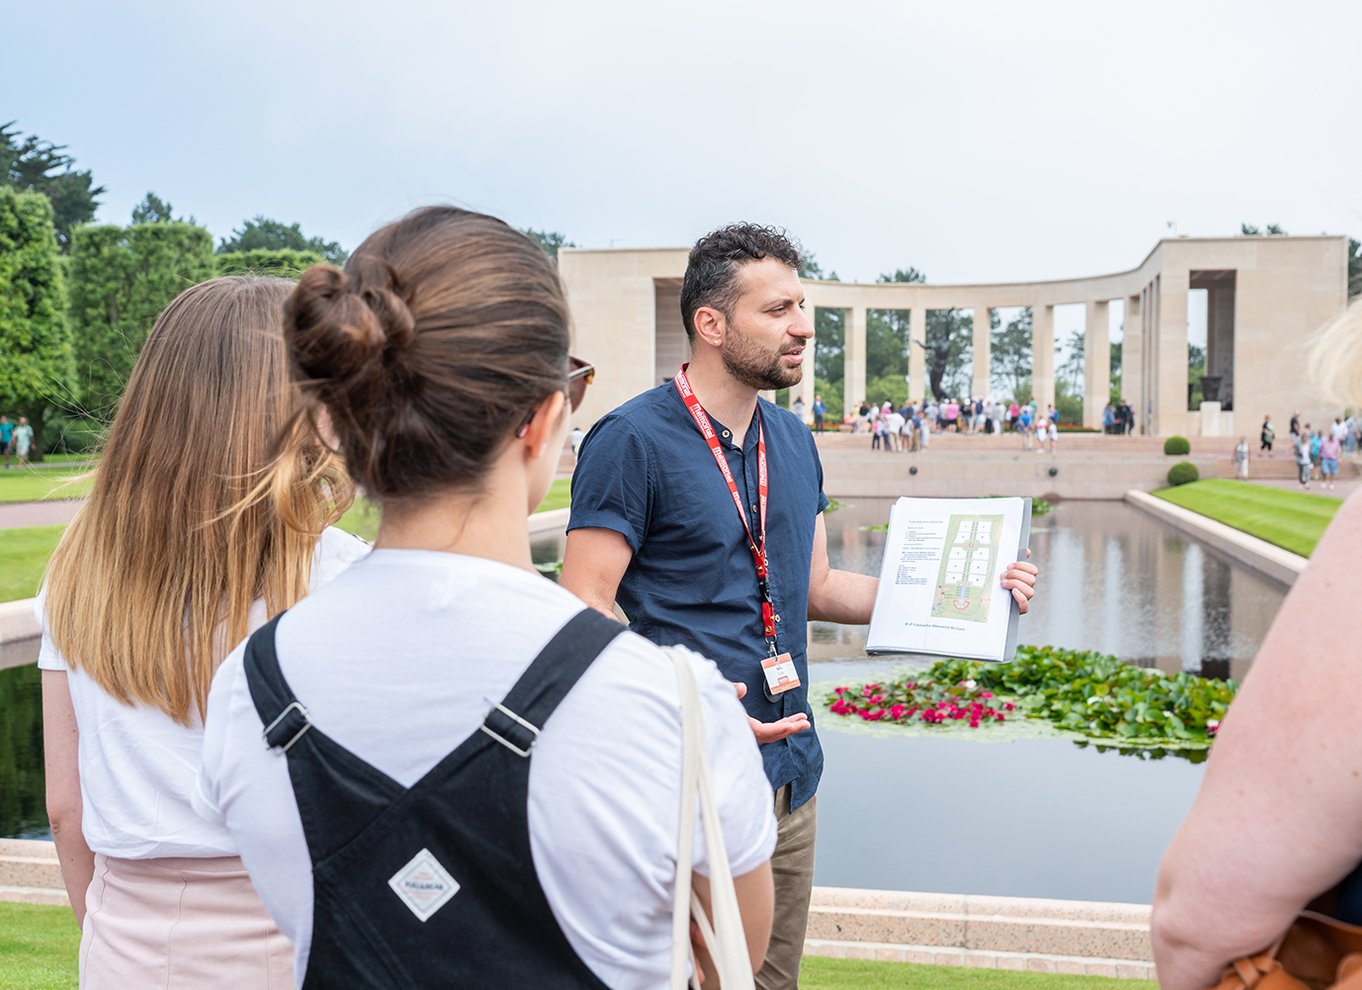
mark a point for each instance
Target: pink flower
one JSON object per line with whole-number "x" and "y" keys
{"x": 1008, "y": 706}
{"x": 839, "y": 707}
{"x": 840, "y": 690}
{"x": 876, "y": 698}
{"x": 910, "y": 685}
{"x": 974, "y": 723}
{"x": 985, "y": 694}
{"x": 896, "y": 712}
{"x": 1000, "y": 716}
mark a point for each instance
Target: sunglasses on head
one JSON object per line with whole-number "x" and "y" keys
{"x": 580, "y": 375}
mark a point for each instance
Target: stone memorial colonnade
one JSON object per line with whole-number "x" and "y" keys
{"x": 1265, "y": 295}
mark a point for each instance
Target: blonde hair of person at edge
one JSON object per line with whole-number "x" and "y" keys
{"x": 1278, "y": 819}
{"x": 153, "y": 582}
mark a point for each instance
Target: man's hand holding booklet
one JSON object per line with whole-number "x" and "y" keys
{"x": 942, "y": 580}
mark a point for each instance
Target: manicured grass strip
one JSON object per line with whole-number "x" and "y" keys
{"x": 1289, "y": 519}
{"x": 38, "y": 946}
{"x": 558, "y": 497}
{"x": 818, "y": 973}
{"x": 23, "y": 557}
{"x": 37, "y": 484}
{"x": 24, "y": 552}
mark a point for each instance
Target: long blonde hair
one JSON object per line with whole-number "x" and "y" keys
{"x": 152, "y": 583}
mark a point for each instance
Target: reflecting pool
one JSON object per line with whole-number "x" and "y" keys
{"x": 1032, "y": 817}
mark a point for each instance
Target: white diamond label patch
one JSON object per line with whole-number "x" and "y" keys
{"x": 424, "y": 885}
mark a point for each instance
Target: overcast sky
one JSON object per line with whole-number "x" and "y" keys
{"x": 976, "y": 141}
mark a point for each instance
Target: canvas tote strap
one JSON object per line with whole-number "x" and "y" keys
{"x": 726, "y": 940}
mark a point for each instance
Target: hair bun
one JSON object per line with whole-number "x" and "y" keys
{"x": 333, "y": 332}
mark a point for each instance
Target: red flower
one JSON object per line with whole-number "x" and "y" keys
{"x": 896, "y": 712}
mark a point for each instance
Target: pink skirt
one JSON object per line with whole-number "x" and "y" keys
{"x": 179, "y": 923}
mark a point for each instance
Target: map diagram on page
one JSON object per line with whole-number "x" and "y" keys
{"x": 964, "y": 585}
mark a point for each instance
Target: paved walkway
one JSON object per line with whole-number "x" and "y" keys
{"x": 16, "y": 515}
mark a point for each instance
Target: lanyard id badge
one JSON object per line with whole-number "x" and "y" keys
{"x": 778, "y": 668}
{"x": 780, "y": 674}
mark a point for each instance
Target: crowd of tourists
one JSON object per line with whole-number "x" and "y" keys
{"x": 908, "y": 427}
{"x": 1315, "y": 451}
{"x": 276, "y": 754}
{"x": 16, "y": 439}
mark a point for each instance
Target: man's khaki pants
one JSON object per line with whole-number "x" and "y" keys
{"x": 792, "y": 869}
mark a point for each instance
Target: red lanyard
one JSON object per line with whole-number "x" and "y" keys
{"x": 702, "y": 423}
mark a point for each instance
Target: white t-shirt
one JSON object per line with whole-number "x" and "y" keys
{"x": 138, "y": 766}
{"x": 1339, "y": 432}
{"x": 400, "y": 659}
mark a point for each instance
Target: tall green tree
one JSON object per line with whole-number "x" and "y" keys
{"x": 36, "y": 366}
{"x": 1354, "y": 268}
{"x": 549, "y": 241}
{"x": 30, "y": 163}
{"x": 153, "y": 209}
{"x": 261, "y": 232}
{"x": 121, "y": 279}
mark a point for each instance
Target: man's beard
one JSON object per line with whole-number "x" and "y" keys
{"x": 757, "y": 368}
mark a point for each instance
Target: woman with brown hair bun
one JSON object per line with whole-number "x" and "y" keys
{"x": 177, "y": 554}
{"x": 470, "y": 779}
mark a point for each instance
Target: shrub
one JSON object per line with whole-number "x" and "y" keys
{"x": 1182, "y": 473}
{"x": 282, "y": 262}
{"x": 1177, "y": 446}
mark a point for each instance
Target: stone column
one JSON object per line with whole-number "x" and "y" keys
{"x": 983, "y": 352}
{"x": 1043, "y": 357}
{"x": 917, "y": 353}
{"x": 1132, "y": 353}
{"x": 853, "y": 381}
{"x": 1096, "y": 363}
{"x": 1171, "y": 378}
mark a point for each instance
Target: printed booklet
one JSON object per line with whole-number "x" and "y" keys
{"x": 940, "y": 592}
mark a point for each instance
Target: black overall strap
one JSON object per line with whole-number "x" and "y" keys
{"x": 326, "y": 767}
{"x": 517, "y": 720}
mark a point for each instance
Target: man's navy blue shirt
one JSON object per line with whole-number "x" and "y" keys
{"x": 645, "y": 472}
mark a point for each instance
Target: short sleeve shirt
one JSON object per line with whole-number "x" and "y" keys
{"x": 645, "y": 472}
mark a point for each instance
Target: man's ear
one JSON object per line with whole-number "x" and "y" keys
{"x": 710, "y": 325}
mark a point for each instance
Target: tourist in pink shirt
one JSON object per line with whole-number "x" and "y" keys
{"x": 1329, "y": 449}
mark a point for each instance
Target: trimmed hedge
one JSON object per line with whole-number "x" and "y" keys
{"x": 282, "y": 262}
{"x": 1182, "y": 473}
{"x": 1177, "y": 446}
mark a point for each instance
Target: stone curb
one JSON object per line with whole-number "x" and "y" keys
{"x": 1265, "y": 558}
{"x": 17, "y": 621}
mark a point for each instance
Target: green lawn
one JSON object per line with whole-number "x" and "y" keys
{"x": 38, "y": 952}
{"x": 23, "y": 556}
{"x": 37, "y": 484}
{"x": 24, "y": 552}
{"x": 1289, "y": 519}
{"x": 37, "y": 947}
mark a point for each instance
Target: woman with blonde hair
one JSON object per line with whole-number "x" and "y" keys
{"x": 1278, "y": 819}
{"x": 470, "y": 779}
{"x": 178, "y": 553}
